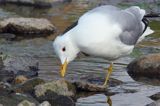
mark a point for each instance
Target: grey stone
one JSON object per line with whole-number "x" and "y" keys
{"x": 45, "y": 103}
{"x": 12, "y": 99}
{"x": 57, "y": 93}
{"x": 61, "y": 87}
{"x": 27, "y": 66}
{"x": 26, "y": 26}
{"x": 26, "y": 103}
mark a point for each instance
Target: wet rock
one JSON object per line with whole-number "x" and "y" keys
{"x": 61, "y": 87}
{"x": 26, "y": 103}
{"x": 156, "y": 103}
{"x": 26, "y": 26}
{"x": 7, "y": 36}
{"x": 56, "y": 100}
{"x": 20, "y": 79}
{"x": 147, "y": 66}
{"x": 58, "y": 93}
{"x": 95, "y": 84}
{"x": 45, "y": 103}
{"x": 13, "y": 99}
{"x": 26, "y": 66}
{"x": 1, "y": 62}
{"x": 84, "y": 86}
{"x": 155, "y": 96}
{"x": 6, "y": 75}
{"x": 28, "y": 86}
{"x": 93, "y": 79}
{"x": 39, "y": 3}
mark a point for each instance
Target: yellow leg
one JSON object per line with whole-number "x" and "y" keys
{"x": 108, "y": 74}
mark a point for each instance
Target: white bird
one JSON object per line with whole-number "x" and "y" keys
{"x": 106, "y": 31}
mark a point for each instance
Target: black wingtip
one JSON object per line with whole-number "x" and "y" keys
{"x": 70, "y": 27}
{"x": 146, "y": 22}
{"x": 152, "y": 15}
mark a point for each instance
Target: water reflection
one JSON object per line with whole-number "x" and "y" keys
{"x": 109, "y": 101}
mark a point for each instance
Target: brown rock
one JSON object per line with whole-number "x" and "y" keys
{"x": 28, "y": 86}
{"x": 147, "y": 66}
{"x": 20, "y": 79}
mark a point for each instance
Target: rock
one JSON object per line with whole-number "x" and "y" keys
{"x": 28, "y": 86}
{"x": 147, "y": 66}
{"x": 155, "y": 96}
{"x": 94, "y": 84}
{"x": 56, "y": 100}
{"x": 20, "y": 79}
{"x": 26, "y": 66}
{"x": 7, "y": 36}
{"x": 39, "y": 3}
{"x": 1, "y": 61}
{"x": 61, "y": 87}
{"x": 26, "y": 26}
{"x": 12, "y": 99}
{"x": 45, "y": 103}
{"x": 156, "y": 103}
{"x": 26, "y": 103}
{"x": 6, "y": 75}
{"x": 84, "y": 86}
{"x": 58, "y": 93}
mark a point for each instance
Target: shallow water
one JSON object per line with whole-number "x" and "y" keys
{"x": 130, "y": 93}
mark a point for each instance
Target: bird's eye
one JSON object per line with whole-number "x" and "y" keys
{"x": 63, "y": 49}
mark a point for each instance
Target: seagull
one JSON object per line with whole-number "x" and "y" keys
{"x": 106, "y": 32}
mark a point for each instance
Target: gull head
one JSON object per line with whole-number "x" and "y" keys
{"x": 66, "y": 50}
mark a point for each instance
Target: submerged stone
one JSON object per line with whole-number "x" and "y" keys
{"x": 26, "y": 66}
{"x": 156, "y": 103}
{"x": 155, "y": 96}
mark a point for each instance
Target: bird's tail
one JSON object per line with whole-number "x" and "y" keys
{"x": 148, "y": 31}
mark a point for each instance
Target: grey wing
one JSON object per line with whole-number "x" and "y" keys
{"x": 131, "y": 24}
{"x": 129, "y": 19}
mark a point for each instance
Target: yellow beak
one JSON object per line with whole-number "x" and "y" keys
{"x": 63, "y": 68}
